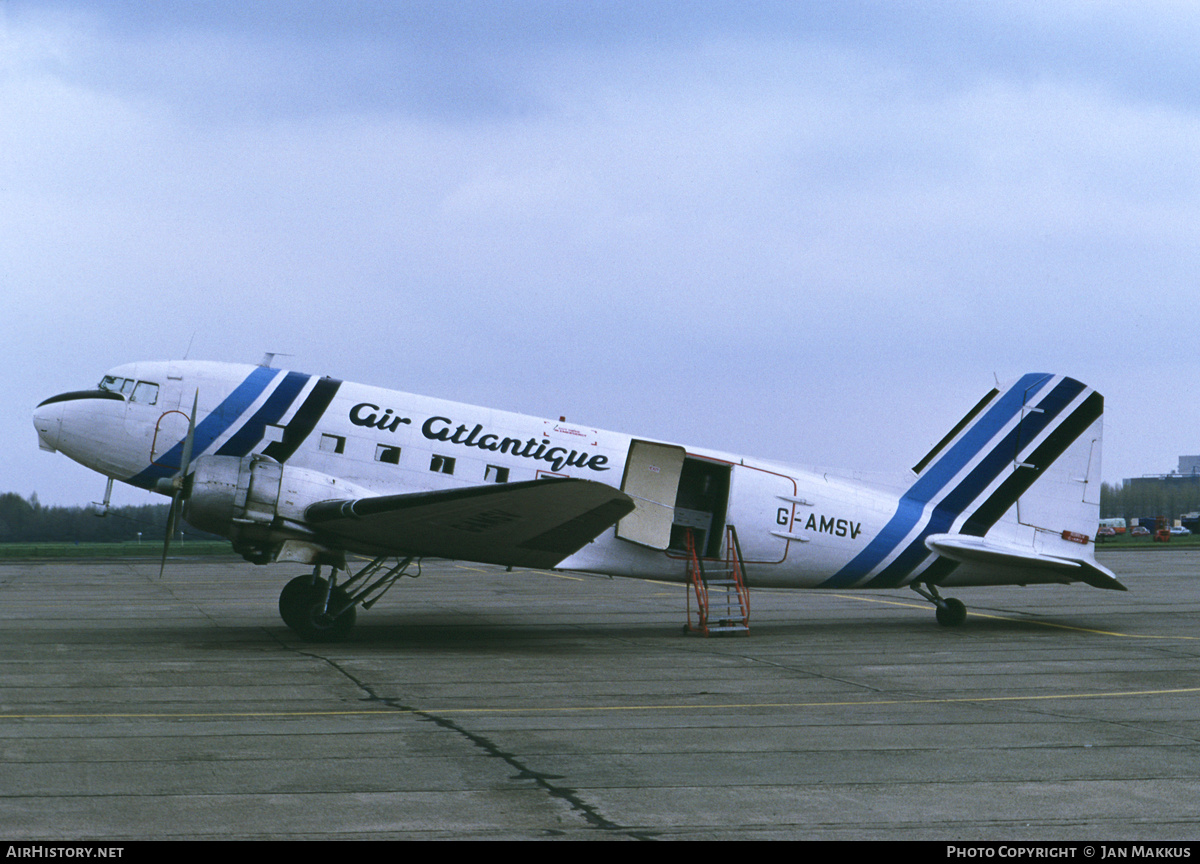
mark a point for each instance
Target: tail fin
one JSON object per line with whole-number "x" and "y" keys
{"x": 1012, "y": 493}
{"x": 1036, "y": 501}
{"x": 1043, "y": 430}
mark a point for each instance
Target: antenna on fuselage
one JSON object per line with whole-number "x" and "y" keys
{"x": 269, "y": 358}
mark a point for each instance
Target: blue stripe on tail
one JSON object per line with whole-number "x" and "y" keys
{"x": 912, "y": 504}
{"x": 982, "y": 476}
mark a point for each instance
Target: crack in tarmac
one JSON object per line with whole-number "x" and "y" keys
{"x": 544, "y": 781}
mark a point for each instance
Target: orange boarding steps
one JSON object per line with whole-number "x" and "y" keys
{"x": 722, "y": 599}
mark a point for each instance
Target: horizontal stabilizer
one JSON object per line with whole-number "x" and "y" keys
{"x": 979, "y": 550}
{"x": 536, "y": 523}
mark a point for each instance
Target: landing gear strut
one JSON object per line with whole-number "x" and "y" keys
{"x": 950, "y": 612}
{"x": 323, "y": 611}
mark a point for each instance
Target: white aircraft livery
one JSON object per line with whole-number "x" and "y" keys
{"x": 296, "y": 468}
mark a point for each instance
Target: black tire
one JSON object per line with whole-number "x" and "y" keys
{"x": 302, "y": 608}
{"x": 951, "y": 613}
{"x": 297, "y": 596}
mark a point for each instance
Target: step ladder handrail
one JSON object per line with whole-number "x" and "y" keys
{"x": 699, "y": 585}
{"x": 740, "y": 563}
{"x": 735, "y": 590}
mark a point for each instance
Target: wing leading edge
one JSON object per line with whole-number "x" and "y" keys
{"x": 536, "y": 523}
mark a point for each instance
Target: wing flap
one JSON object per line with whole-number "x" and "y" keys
{"x": 531, "y": 524}
{"x": 978, "y": 550}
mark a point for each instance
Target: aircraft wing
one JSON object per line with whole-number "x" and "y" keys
{"x": 536, "y": 523}
{"x": 967, "y": 548}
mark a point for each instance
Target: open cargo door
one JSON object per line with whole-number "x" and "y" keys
{"x": 651, "y": 479}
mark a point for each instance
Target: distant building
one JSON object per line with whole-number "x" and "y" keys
{"x": 1165, "y": 481}
{"x": 1156, "y": 495}
{"x": 1166, "y": 495}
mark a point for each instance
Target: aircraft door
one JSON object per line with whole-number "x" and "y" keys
{"x": 700, "y": 506}
{"x": 152, "y": 415}
{"x": 652, "y": 474}
{"x": 762, "y": 509}
{"x": 171, "y": 429}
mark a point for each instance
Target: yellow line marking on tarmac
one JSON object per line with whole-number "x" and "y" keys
{"x": 584, "y": 709}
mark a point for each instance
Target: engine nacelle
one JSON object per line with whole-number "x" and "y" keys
{"x": 256, "y": 502}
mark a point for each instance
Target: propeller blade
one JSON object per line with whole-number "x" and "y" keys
{"x": 172, "y": 518}
{"x": 190, "y": 439}
{"x": 178, "y": 483}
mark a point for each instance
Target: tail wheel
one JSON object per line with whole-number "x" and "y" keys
{"x": 951, "y": 612}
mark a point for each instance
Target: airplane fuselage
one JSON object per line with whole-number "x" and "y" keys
{"x": 797, "y": 527}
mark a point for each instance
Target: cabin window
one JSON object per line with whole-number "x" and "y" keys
{"x": 145, "y": 393}
{"x": 495, "y": 474}
{"x": 333, "y": 443}
{"x": 388, "y": 453}
{"x": 442, "y": 464}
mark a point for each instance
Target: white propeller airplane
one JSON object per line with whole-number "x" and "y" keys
{"x": 291, "y": 467}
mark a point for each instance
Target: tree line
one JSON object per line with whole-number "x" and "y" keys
{"x": 1150, "y": 498}
{"x": 27, "y": 521}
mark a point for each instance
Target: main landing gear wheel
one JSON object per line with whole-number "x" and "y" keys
{"x": 315, "y": 613}
{"x": 951, "y": 613}
{"x": 295, "y": 596}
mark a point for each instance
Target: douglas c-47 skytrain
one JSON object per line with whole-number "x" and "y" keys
{"x": 296, "y": 468}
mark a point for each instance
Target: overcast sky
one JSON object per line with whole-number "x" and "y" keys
{"x": 814, "y": 232}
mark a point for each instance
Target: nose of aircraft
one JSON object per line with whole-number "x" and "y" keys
{"x": 47, "y": 420}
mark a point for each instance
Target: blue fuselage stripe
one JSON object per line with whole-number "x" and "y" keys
{"x": 912, "y": 504}
{"x": 211, "y": 427}
{"x": 244, "y": 440}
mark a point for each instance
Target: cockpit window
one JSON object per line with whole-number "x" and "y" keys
{"x": 113, "y": 384}
{"x": 145, "y": 392}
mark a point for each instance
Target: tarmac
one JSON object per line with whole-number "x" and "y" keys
{"x": 477, "y": 703}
